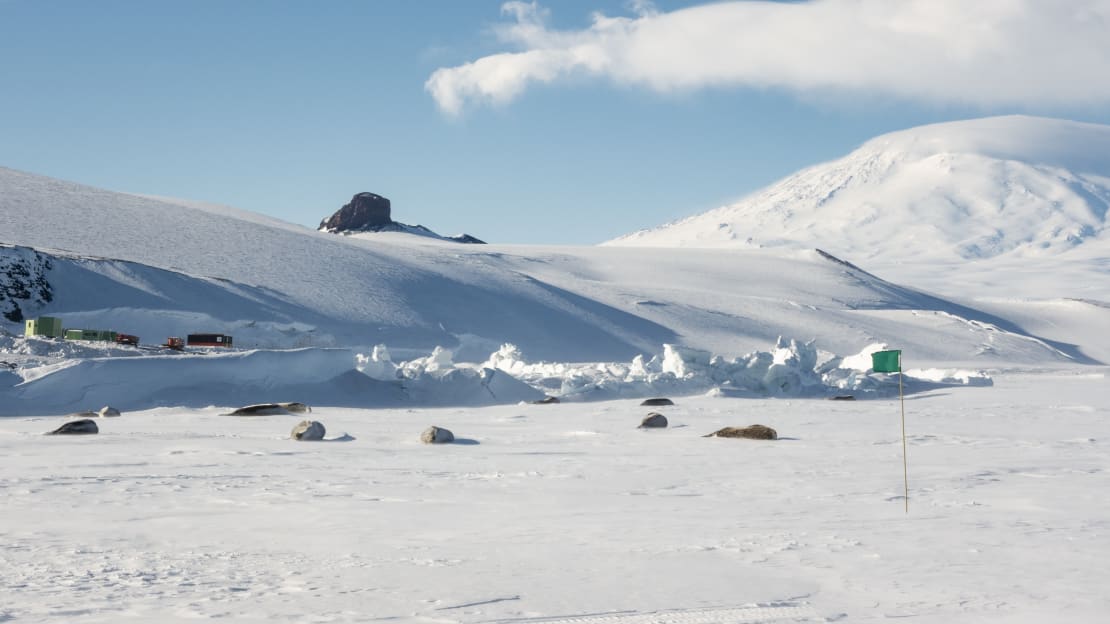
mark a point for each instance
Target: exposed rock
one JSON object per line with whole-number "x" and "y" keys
{"x": 107, "y": 411}
{"x": 309, "y": 430}
{"x": 436, "y": 435}
{"x": 77, "y": 427}
{"x": 368, "y": 212}
{"x": 364, "y": 211}
{"x": 653, "y": 420}
{"x": 754, "y": 432}
{"x": 23, "y": 281}
{"x": 657, "y": 402}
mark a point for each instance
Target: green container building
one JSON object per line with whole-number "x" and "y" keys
{"x": 90, "y": 334}
{"x": 44, "y": 326}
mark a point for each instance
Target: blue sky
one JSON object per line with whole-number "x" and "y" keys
{"x": 544, "y": 124}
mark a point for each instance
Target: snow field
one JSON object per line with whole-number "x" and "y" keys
{"x": 566, "y": 511}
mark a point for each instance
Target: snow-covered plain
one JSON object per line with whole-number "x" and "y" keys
{"x": 568, "y": 511}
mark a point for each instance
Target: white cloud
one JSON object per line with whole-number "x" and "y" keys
{"x": 985, "y": 52}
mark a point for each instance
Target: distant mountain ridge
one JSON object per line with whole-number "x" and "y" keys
{"x": 968, "y": 190}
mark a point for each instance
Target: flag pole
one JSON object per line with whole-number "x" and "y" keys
{"x": 890, "y": 361}
{"x": 905, "y": 465}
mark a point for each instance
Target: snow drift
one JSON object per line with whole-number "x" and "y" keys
{"x": 131, "y": 380}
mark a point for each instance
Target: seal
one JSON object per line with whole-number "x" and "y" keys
{"x": 270, "y": 409}
{"x": 84, "y": 426}
{"x": 754, "y": 432}
{"x": 307, "y": 430}
{"x": 436, "y": 435}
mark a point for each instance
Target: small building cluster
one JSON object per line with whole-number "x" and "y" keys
{"x": 51, "y": 327}
{"x": 44, "y": 326}
{"x": 208, "y": 340}
{"x": 103, "y": 335}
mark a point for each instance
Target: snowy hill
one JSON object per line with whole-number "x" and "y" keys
{"x": 1004, "y": 193}
{"x": 159, "y": 267}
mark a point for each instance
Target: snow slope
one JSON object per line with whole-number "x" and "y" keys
{"x": 1003, "y": 196}
{"x": 156, "y": 268}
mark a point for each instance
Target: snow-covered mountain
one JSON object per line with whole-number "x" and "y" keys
{"x": 159, "y": 267}
{"x": 1002, "y": 193}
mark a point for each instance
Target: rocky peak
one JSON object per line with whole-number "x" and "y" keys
{"x": 368, "y": 212}
{"x": 365, "y": 211}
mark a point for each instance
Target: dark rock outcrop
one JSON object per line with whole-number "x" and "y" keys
{"x": 369, "y": 212}
{"x": 365, "y": 211}
{"x": 23, "y": 281}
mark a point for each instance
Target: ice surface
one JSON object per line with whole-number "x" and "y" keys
{"x": 570, "y": 512}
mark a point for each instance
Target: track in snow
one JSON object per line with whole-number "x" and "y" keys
{"x": 772, "y": 612}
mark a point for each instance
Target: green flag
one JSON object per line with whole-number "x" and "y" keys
{"x": 886, "y": 361}
{"x": 891, "y": 362}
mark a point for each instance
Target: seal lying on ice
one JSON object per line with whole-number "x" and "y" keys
{"x": 105, "y": 412}
{"x": 76, "y": 427}
{"x": 270, "y": 409}
{"x": 754, "y": 432}
{"x": 295, "y": 408}
{"x": 436, "y": 435}
{"x": 654, "y": 420}
{"x": 308, "y": 430}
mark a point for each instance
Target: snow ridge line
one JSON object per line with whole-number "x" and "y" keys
{"x": 995, "y": 328}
